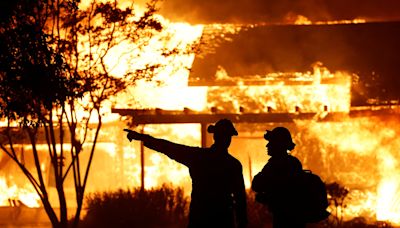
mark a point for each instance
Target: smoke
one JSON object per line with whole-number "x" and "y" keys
{"x": 252, "y": 11}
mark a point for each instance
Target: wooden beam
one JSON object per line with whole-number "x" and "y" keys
{"x": 170, "y": 117}
{"x": 158, "y": 116}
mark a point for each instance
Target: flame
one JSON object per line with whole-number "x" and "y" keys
{"x": 165, "y": 90}
{"x": 389, "y": 199}
{"x": 171, "y": 93}
{"x": 309, "y": 91}
{"x": 303, "y": 20}
{"x": 13, "y": 195}
{"x": 284, "y": 91}
{"x": 354, "y": 21}
{"x": 371, "y": 146}
{"x": 159, "y": 168}
{"x": 372, "y": 195}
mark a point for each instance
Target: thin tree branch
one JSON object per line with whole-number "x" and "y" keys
{"x": 37, "y": 163}
{"x": 24, "y": 170}
{"x": 92, "y": 151}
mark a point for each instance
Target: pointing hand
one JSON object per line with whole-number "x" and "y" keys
{"x": 132, "y": 135}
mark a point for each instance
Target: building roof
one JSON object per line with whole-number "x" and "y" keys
{"x": 369, "y": 50}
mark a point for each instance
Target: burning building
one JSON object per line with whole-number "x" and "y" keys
{"x": 334, "y": 85}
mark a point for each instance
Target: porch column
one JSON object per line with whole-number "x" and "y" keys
{"x": 203, "y": 135}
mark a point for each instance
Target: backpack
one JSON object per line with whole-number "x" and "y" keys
{"x": 312, "y": 196}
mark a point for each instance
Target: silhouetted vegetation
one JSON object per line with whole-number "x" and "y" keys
{"x": 360, "y": 222}
{"x": 159, "y": 207}
{"x": 167, "y": 206}
{"x": 338, "y": 195}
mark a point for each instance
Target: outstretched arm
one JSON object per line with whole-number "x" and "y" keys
{"x": 181, "y": 153}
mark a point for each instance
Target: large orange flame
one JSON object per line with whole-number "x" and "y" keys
{"x": 370, "y": 148}
{"x": 13, "y": 195}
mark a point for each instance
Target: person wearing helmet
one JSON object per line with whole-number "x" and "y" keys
{"x": 218, "y": 197}
{"x": 275, "y": 184}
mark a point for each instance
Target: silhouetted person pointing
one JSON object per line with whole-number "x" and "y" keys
{"x": 275, "y": 185}
{"x": 218, "y": 196}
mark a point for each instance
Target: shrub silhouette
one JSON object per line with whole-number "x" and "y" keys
{"x": 167, "y": 207}
{"x": 159, "y": 207}
{"x": 338, "y": 194}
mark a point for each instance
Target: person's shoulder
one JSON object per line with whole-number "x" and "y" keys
{"x": 295, "y": 162}
{"x": 234, "y": 161}
{"x": 292, "y": 158}
{"x": 200, "y": 152}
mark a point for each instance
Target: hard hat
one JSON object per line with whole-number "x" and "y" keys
{"x": 280, "y": 135}
{"x": 223, "y": 126}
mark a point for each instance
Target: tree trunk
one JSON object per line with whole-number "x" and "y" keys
{"x": 63, "y": 205}
{"x": 50, "y": 213}
{"x": 78, "y": 209}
